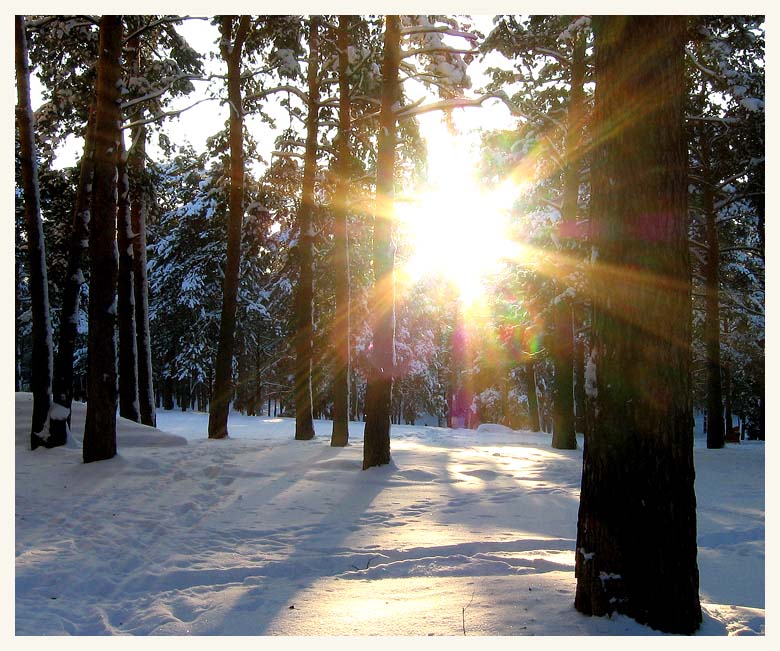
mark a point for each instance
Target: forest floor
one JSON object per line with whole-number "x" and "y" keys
{"x": 465, "y": 532}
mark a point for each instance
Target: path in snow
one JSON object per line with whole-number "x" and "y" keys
{"x": 260, "y": 534}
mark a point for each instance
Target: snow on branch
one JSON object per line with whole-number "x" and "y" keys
{"x": 753, "y": 163}
{"x": 441, "y": 29}
{"x": 162, "y": 90}
{"x": 436, "y": 50}
{"x": 166, "y": 114}
{"x": 162, "y": 21}
{"x": 443, "y": 105}
{"x": 701, "y": 67}
{"x": 304, "y": 97}
{"x": 712, "y": 118}
{"x": 558, "y": 56}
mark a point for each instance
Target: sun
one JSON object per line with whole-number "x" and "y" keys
{"x": 455, "y": 228}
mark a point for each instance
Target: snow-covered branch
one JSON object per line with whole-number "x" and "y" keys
{"x": 166, "y": 114}
{"x": 443, "y": 105}
{"x": 436, "y": 50}
{"x": 441, "y": 29}
{"x": 161, "y": 91}
{"x": 304, "y": 97}
{"x": 558, "y": 56}
{"x": 161, "y": 21}
{"x": 740, "y": 174}
{"x": 701, "y": 67}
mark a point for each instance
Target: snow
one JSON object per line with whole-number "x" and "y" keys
{"x": 259, "y": 534}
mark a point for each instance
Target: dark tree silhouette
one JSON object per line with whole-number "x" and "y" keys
{"x": 100, "y": 426}
{"x": 304, "y": 294}
{"x": 41, "y": 365}
{"x": 636, "y": 532}
{"x": 341, "y": 324}
{"x": 376, "y": 438}
{"x": 231, "y": 46}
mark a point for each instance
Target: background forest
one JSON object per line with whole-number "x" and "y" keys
{"x": 543, "y": 76}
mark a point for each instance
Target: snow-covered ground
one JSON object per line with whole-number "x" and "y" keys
{"x": 260, "y": 534}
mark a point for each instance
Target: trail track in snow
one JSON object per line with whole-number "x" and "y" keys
{"x": 260, "y": 534}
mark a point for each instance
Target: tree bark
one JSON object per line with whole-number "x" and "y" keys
{"x": 100, "y": 427}
{"x": 376, "y": 438}
{"x": 128, "y": 351}
{"x": 341, "y": 324}
{"x": 579, "y": 385}
{"x": 715, "y": 425}
{"x": 59, "y": 421}
{"x": 636, "y": 531}
{"x": 223, "y": 384}
{"x": 304, "y": 295}
{"x": 564, "y": 436}
{"x": 138, "y": 215}
{"x": 41, "y": 365}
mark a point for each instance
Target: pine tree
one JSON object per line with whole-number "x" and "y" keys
{"x": 100, "y": 427}
{"x": 138, "y": 219}
{"x": 42, "y": 356}
{"x": 304, "y": 294}
{"x": 59, "y": 422}
{"x": 340, "y": 258}
{"x": 636, "y": 531}
{"x": 128, "y": 344}
{"x": 231, "y": 47}
{"x": 376, "y": 438}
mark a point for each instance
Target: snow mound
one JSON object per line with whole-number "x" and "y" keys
{"x": 128, "y": 433}
{"x": 495, "y": 428}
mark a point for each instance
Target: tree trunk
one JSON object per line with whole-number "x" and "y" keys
{"x": 138, "y": 213}
{"x": 223, "y": 384}
{"x": 341, "y": 323}
{"x": 100, "y": 426}
{"x": 376, "y": 438}
{"x": 563, "y": 338}
{"x": 41, "y": 365}
{"x": 128, "y": 351}
{"x": 59, "y": 421}
{"x": 715, "y": 426}
{"x": 727, "y": 404}
{"x": 636, "y": 532}
{"x": 304, "y": 295}
{"x": 533, "y": 399}
{"x": 579, "y": 385}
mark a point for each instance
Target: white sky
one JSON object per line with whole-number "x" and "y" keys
{"x": 198, "y": 123}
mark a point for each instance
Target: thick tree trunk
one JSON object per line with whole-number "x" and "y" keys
{"x": 100, "y": 426}
{"x": 41, "y": 365}
{"x": 304, "y": 295}
{"x": 223, "y": 384}
{"x": 715, "y": 425}
{"x": 138, "y": 214}
{"x": 376, "y": 438}
{"x": 533, "y": 398}
{"x": 341, "y": 323}
{"x": 563, "y": 337}
{"x": 636, "y": 532}
{"x": 128, "y": 351}
{"x": 59, "y": 422}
